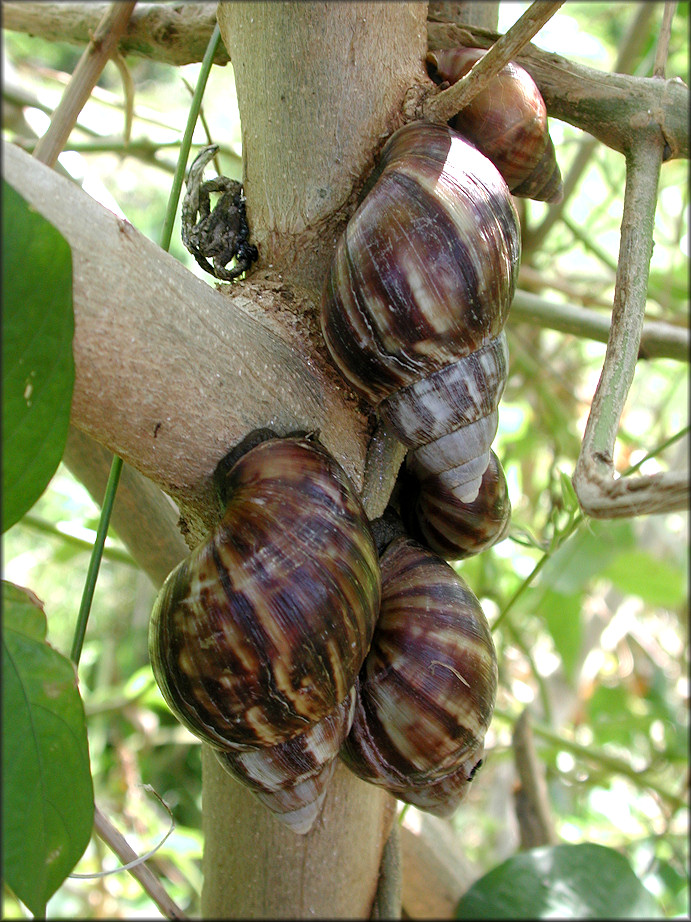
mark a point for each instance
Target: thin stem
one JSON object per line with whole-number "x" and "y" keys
{"x": 658, "y": 338}
{"x": 115, "y": 554}
{"x": 657, "y": 450}
{"x": 95, "y": 561}
{"x": 117, "y": 843}
{"x": 84, "y": 78}
{"x": 597, "y": 755}
{"x": 522, "y": 588}
{"x": 448, "y": 103}
{"x": 167, "y": 232}
{"x": 663, "y": 40}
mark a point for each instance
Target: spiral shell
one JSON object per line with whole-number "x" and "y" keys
{"x": 261, "y": 631}
{"x": 507, "y": 121}
{"x": 428, "y": 686}
{"x": 291, "y": 778}
{"x": 417, "y": 296}
{"x": 449, "y": 527}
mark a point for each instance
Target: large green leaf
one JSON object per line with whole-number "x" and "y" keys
{"x": 560, "y": 882}
{"x": 656, "y": 581}
{"x": 47, "y": 793}
{"x": 37, "y": 362}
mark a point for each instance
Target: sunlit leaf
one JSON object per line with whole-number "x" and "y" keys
{"x": 657, "y": 582}
{"x": 37, "y": 362}
{"x": 583, "y": 881}
{"x": 585, "y": 554}
{"x": 563, "y": 616}
{"x": 47, "y": 793}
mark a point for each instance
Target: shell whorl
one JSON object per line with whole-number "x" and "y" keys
{"x": 451, "y": 528}
{"x": 507, "y": 121}
{"x": 419, "y": 290}
{"x": 262, "y": 630}
{"x": 291, "y": 778}
{"x": 427, "y": 688}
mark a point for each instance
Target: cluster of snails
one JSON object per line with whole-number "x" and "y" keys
{"x": 300, "y": 632}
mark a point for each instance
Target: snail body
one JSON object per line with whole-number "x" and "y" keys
{"x": 417, "y": 296}
{"x": 507, "y": 121}
{"x": 260, "y": 633}
{"x": 428, "y": 685}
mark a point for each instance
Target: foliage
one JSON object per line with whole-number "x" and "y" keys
{"x": 588, "y": 616}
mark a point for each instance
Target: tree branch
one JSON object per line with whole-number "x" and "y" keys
{"x": 150, "y": 338}
{"x": 442, "y": 106}
{"x": 614, "y": 108}
{"x": 608, "y": 106}
{"x": 658, "y": 339}
{"x": 101, "y": 47}
{"x": 601, "y": 492}
{"x": 170, "y": 33}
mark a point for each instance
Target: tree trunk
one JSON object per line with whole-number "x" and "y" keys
{"x": 320, "y": 87}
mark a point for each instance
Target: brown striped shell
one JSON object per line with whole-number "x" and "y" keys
{"x": 428, "y": 686}
{"x": 291, "y": 778}
{"x": 449, "y": 527}
{"x": 260, "y": 633}
{"x": 507, "y": 121}
{"x": 417, "y": 296}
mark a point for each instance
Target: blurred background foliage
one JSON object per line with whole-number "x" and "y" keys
{"x": 595, "y": 645}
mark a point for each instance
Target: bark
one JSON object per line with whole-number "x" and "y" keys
{"x": 171, "y": 33}
{"x": 615, "y": 108}
{"x": 319, "y": 87}
{"x": 170, "y": 374}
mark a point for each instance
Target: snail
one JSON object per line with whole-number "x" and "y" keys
{"x": 507, "y": 121}
{"x": 291, "y": 778}
{"x": 427, "y": 688}
{"x": 416, "y": 298}
{"x": 449, "y": 527}
{"x": 259, "y": 634}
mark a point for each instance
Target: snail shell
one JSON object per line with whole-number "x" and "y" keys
{"x": 417, "y": 295}
{"x": 507, "y": 121}
{"x": 261, "y": 631}
{"x": 291, "y": 778}
{"x": 449, "y": 527}
{"x": 428, "y": 685}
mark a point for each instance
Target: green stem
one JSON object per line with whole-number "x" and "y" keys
{"x": 95, "y": 561}
{"x": 169, "y": 221}
{"x": 656, "y": 451}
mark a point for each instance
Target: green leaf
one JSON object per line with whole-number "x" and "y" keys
{"x": 583, "y": 881}
{"x": 657, "y": 582}
{"x": 37, "y": 362}
{"x": 563, "y": 616}
{"x": 47, "y": 792}
{"x": 585, "y": 554}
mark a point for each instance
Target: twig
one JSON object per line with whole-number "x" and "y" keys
{"x": 128, "y": 90}
{"x": 531, "y": 799}
{"x": 599, "y": 493}
{"x": 84, "y": 78}
{"x": 443, "y": 106}
{"x": 149, "y": 882}
{"x": 663, "y": 40}
{"x": 37, "y": 524}
{"x": 615, "y": 108}
{"x": 626, "y": 58}
{"x": 594, "y": 754}
{"x": 172, "y": 33}
{"x": 658, "y": 339}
